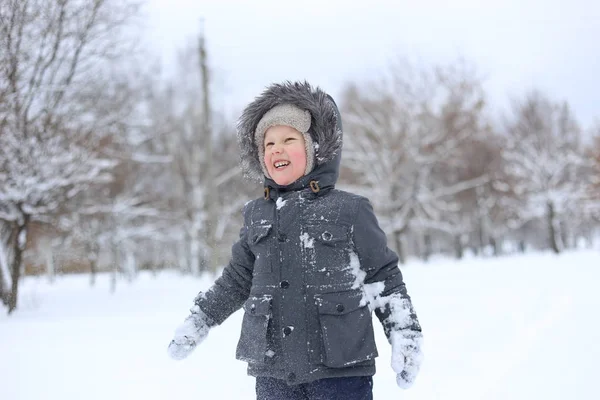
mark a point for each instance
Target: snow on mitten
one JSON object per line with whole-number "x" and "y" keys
{"x": 406, "y": 356}
{"x": 189, "y": 334}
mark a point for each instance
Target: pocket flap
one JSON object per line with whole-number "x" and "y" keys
{"x": 258, "y": 305}
{"x": 328, "y": 233}
{"x": 258, "y": 232}
{"x": 340, "y": 303}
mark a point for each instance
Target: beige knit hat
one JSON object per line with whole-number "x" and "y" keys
{"x": 288, "y": 115}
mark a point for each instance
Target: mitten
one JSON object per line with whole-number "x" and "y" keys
{"x": 406, "y": 355}
{"x": 189, "y": 334}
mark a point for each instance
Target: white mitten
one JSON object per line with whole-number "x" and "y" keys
{"x": 189, "y": 334}
{"x": 406, "y": 356}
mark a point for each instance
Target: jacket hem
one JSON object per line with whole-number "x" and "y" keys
{"x": 320, "y": 372}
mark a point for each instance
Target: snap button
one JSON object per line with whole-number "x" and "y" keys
{"x": 284, "y": 284}
{"x": 287, "y": 330}
{"x": 339, "y": 307}
{"x": 291, "y": 377}
{"x": 252, "y": 308}
{"x": 327, "y": 236}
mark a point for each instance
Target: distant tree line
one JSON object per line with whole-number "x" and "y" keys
{"x": 447, "y": 177}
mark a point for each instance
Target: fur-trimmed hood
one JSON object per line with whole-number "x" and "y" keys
{"x": 325, "y": 131}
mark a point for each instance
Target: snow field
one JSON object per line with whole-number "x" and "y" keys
{"x": 516, "y": 327}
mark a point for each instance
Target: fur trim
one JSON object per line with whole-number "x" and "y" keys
{"x": 289, "y": 115}
{"x": 325, "y": 129}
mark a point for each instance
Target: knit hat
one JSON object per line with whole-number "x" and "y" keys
{"x": 288, "y": 115}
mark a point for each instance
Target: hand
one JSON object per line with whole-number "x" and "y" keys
{"x": 189, "y": 334}
{"x": 406, "y": 356}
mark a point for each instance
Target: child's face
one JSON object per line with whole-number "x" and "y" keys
{"x": 285, "y": 154}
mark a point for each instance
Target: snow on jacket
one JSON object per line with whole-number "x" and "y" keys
{"x": 311, "y": 262}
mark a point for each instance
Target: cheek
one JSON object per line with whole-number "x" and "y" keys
{"x": 298, "y": 155}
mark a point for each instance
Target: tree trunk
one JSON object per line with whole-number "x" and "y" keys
{"x": 483, "y": 237}
{"x": 5, "y": 281}
{"x": 50, "y": 265}
{"x": 427, "y": 246}
{"x": 483, "y": 232}
{"x": 114, "y": 269}
{"x": 565, "y": 237}
{"x": 93, "y": 272}
{"x": 211, "y": 256}
{"x": 183, "y": 258}
{"x": 458, "y": 246}
{"x": 495, "y": 246}
{"x": 399, "y": 240}
{"x": 93, "y": 260}
{"x": 130, "y": 265}
{"x": 194, "y": 247}
{"x": 3, "y": 290}
{"x": 19, "y": 247}
{"x": 553, "y": 228}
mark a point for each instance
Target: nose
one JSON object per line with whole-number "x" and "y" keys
{"x": 276, "y": 148}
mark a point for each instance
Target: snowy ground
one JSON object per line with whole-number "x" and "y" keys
{"x": 521, "y": 327}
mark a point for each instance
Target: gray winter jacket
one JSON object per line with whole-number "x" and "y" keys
{"x": 311, "y": 263}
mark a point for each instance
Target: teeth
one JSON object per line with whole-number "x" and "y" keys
{"x": 281, "y": 164}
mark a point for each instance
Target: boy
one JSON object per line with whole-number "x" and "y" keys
{"x": 310, "y": 266}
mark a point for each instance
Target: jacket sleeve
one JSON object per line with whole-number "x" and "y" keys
{"x": 232, "y": 288}
{"x": 383, "y": 282}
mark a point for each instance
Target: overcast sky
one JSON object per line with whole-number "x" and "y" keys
{"x": 547, "y": 44}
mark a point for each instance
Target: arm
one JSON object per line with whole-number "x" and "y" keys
{"x": 214, "y": 306}
{"x": 232, "y": 288}
{"x": 387, "y": 294}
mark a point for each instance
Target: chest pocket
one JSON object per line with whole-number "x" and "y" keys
{"x": 261, "y": 244}
{"x": 328, "y": 246}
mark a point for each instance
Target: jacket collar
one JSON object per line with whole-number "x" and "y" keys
{"x": 318, "y": 181}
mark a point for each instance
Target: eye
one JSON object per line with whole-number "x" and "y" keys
{"x": 268, "y": 144}
{"x": 290, "y": 139}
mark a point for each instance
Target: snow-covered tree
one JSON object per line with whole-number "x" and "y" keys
{"x": 596, "y": 159}
{"x": 115, "y": 226}
{"x": 544, "y": 159}
{"x": 592, "y": 203}
{"x": 204, "y": 178}
{"x": 477, "y": 220}
{"x": 404, "y": 136}
{"x": 114, "y": 218}
{"x": 51, "y": 140}
{"x": 37, "y": 176}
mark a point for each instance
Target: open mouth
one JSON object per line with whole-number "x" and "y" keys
{"x": 281, "y": 164}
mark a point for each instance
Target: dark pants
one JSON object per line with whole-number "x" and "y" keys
{"x": 350, "y": 388}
